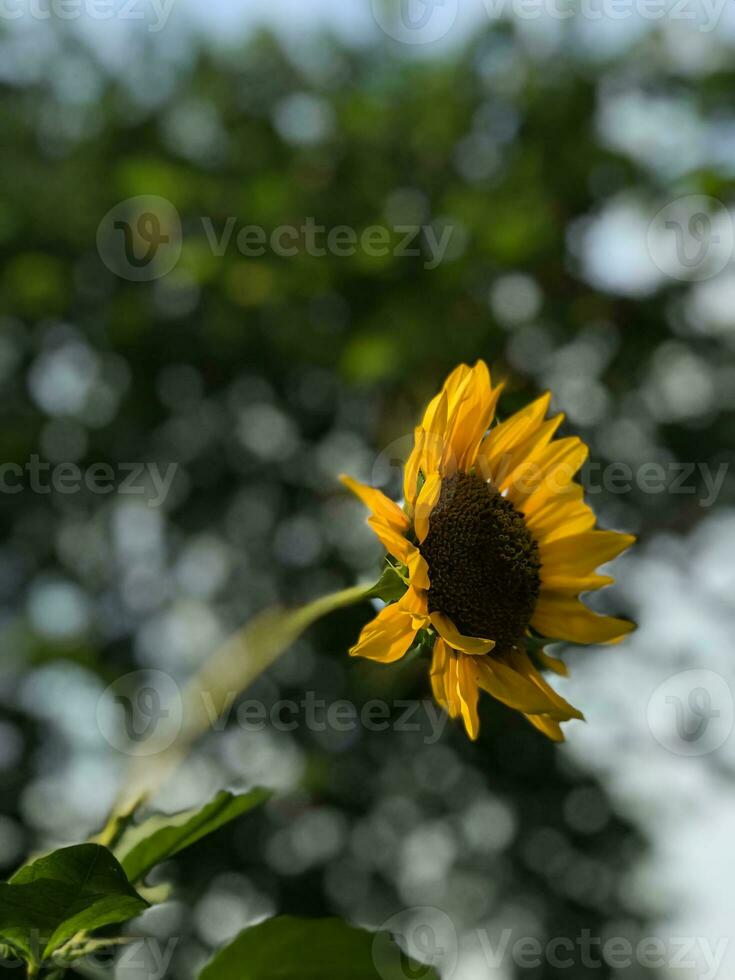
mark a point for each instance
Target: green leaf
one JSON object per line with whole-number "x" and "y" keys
{"x": 161, "y": 836}
{"x": 70, "y": 890}
{"x": 389, "y": 587}
{"x": 286, "y": 948}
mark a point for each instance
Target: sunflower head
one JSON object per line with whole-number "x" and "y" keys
{"x": 494, "y": 545}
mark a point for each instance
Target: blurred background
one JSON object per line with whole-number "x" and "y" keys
{"x": 552, "y": 188}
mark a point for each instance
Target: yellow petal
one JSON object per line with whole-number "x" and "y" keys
{"x": 549, "y": 497}
{"x": 584, "y": 520}
{"x": 554, "y": 467}
{"x": 470, "y": 417}
{"x": 392, "y": 540}
{"x": 382, "y": 507}
{"x": 387, "y": 637}
{"x": 563, "y": 617}
{"x": 412, "y": 467}
{"x": 468, "y": 694}
{"x": 548, "y": 726}
{"x": 524, "y": 452}
{"x": 454, "y": 685}
{"x": 561, "y": 581}
{"x": 512, "y": 688}
{"x": 446, "y": 629}
{"x": 451, "y": 391}
{"x": 452, "y": 426}
{"x": 414, "y": 602}
{"x": 425, "y": 503}
{"x": 560, "y": 515}
{"x": 561, "y": 710}
{"x": 578, "y": 554}
{"x": 418, "y": 570}
{"x": 502, "y": 438}
{"x": 439, "y": 668}
{"x": 435, "y": 438}
{"x": 454, "y": 706}
{"x": 552, "y": 663}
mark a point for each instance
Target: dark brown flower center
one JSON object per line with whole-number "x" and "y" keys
{"x": 484, "y": 566}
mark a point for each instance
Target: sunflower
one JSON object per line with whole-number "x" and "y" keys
{"x": 491, "y": 549}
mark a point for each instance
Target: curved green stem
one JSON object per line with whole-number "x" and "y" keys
{"x": 213, "y": 690}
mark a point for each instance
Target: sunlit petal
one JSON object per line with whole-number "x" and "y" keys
{"x": 472, "y": 645}
{"x": 382, "y": 507}
{"x": 387, "y": 637}
{"x": 391, "y": 539}
{"x": 563, "y": 617}
{"x": 425, "y": 503}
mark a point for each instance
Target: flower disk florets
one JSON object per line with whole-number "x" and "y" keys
{"x": 484, "y": 565}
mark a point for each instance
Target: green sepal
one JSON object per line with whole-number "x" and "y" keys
{"x": 391, "y": 585}
{"x": 423, "y": 645}
{"x": 535, "y": 644}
